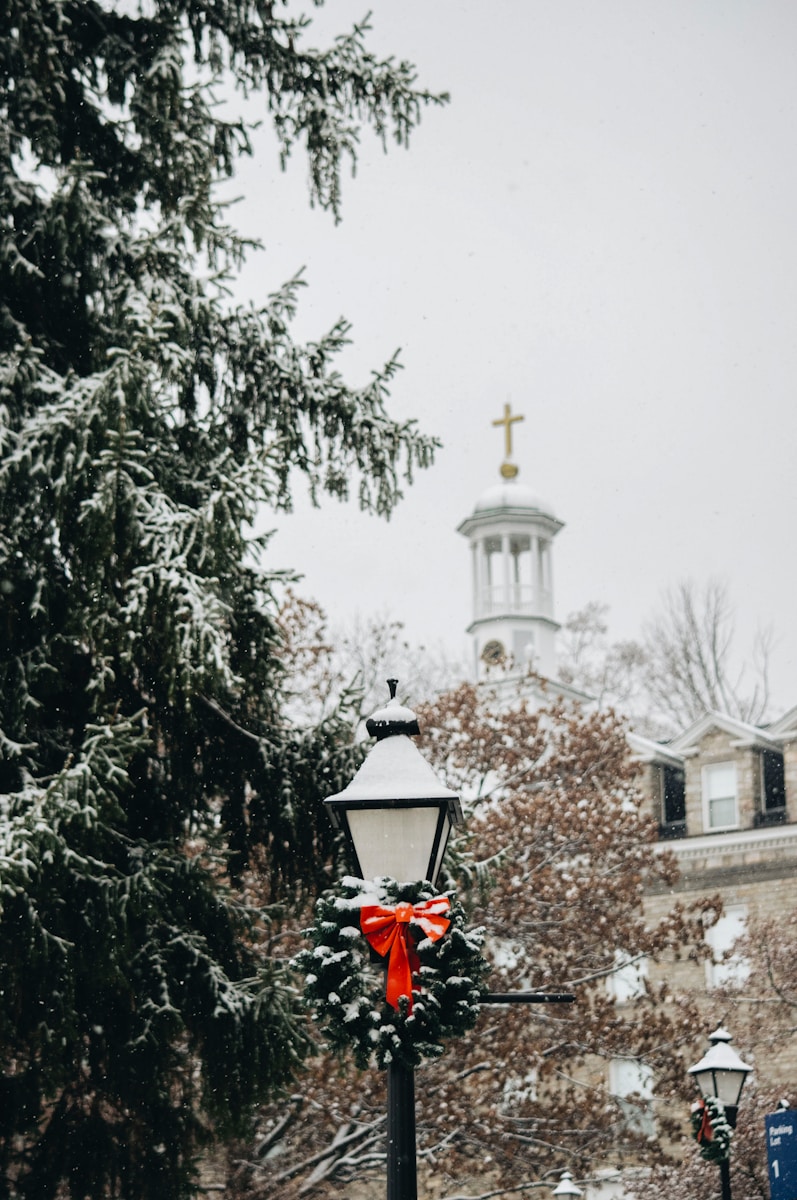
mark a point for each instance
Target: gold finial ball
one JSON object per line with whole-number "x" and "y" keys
{"x": 508, "y": 470}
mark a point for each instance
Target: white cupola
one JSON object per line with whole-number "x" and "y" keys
{"x": 511, "y": 532}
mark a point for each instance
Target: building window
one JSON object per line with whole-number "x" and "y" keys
{"x": 631, "y": 1084}
{"x": 627, "y": 982}
{"x": 726, "y": 966}
{"x": 523, "y": 647}
{"x": 773, "y": 788}
{"x": 719, "y": 796}
{"x": 673, "y": 802}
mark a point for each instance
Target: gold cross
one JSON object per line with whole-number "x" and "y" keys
{"x": 507, "y": 421}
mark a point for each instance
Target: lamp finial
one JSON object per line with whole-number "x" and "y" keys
{"x": 392, "y": 718}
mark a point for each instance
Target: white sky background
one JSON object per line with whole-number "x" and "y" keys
{"x": 599, "y": 228}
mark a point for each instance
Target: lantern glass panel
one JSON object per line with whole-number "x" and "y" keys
{"x": 729, "y": 1086}
{"x": 725, "y": 1084}
{"x": 705, "y": 1083}
{"x": 397, "y": 842}
{"x": 445, "y": 830}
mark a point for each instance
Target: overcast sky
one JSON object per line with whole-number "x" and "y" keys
{"x": 600, "y": 229}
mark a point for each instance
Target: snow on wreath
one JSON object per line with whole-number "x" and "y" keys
{"x": 430, "y": 990}
{"x": 711, "y": 1129}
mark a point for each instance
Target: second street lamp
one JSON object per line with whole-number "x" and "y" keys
{"x": 566, "y": 1187}
{"x": 720, "y": 1075}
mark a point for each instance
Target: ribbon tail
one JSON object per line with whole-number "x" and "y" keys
{"x": 705, "y": 1133}
{"x": 399, "y": 970}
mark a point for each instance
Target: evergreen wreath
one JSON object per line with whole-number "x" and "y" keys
{"x": 711, "y": 1129}
{"x": 345, "y": 981}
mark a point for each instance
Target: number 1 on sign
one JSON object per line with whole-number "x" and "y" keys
{"x": 775, "y": 1168}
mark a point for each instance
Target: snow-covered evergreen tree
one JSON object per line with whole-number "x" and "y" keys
{"x": 143, "y": 419}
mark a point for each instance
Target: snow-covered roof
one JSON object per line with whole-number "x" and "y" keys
{"x": 511, "y": 494}
{"x": 786, "y": 727}
{"x": 646, "y": 750}
{"x": 743, "y": 733}
{"x": 512, "y": 501}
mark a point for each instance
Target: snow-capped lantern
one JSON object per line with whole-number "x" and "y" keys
{"x": 395, "y": 813}
{"x": 720, "y": 1074}
{"x": 566, "y": 1187}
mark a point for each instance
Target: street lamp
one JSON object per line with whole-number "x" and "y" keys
{"x": 396, "y": 817}
{"x": 566, "y": 1187}
{"x": 720, "y": 1075}
{"x": 395, "y": 814}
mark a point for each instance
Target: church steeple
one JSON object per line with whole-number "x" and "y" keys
{"x": 511, "y": 533}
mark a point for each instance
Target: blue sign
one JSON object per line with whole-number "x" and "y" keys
{"x": 782, "y": 1154}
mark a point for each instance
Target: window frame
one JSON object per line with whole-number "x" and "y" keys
{"x": 638, "y": 1113}
{"x": 772, "y": 784}
{"x": 627, "y": 981}
{"x": 721, "y": 938}
{"x": 671, "y": 783}
{"x": 705, "y": 774}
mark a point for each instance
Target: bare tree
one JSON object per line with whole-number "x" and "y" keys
{"x": 610, "y": 672}
{"x": 686, "y": 663}
{"x": 691, "y": 664}
{"x": 329, "y": 667}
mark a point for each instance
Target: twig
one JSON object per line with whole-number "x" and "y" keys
{"x": 280, "y": 1128}
{"x": 364, "y": 1131}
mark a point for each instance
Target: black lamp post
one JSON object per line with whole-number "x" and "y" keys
{"x": 396, "y": 817}
{"x": 720, "y": 1075}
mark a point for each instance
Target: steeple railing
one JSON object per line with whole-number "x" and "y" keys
{"x": 518, "y": 598}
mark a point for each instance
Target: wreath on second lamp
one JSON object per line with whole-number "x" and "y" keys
{"x": 711, "y": 1129}
{"x": 345, "y": 981}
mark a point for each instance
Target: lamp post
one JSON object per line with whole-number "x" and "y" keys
{"x": 720, "y": 1075}
{"x": 566, "y": 1187}
{"x": 396, "y": 817}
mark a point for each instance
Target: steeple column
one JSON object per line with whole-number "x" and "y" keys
{"x": 546, "y": 596}
{"x": 475, "y": 554}
{"x": 478, "y": 578}
{"x": 536, "y": 574}
{"x": 506, "y": 599}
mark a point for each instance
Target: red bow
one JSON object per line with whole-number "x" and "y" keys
{"x": 388, "y": 931}
{"x": 705, "y": 1133}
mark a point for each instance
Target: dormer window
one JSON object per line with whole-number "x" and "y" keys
{"x": 672, "y": 802}
{"x": 773, "y": 788}
{"x": 720, "y": 798}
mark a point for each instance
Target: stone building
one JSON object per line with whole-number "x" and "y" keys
{"x": 724, "y": 796}
{"x": 723, "y": 793}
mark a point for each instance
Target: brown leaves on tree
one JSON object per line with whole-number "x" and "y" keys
{"x": 557, "y": 836}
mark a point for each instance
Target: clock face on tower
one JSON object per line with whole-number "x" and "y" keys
{"x": 493, "y": 652}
